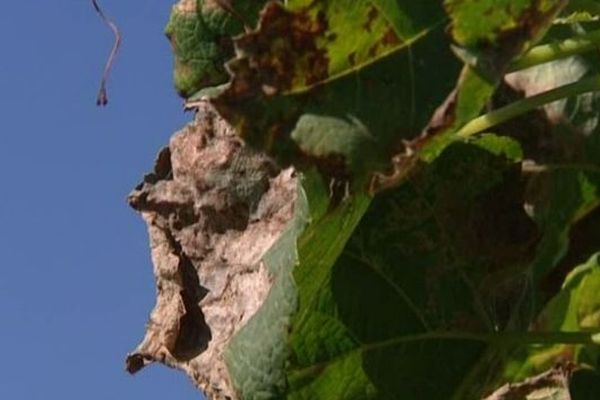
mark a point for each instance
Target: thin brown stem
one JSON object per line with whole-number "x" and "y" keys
{"x": 102, "y": 98}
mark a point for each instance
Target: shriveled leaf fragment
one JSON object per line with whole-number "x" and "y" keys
{"x": 213, "y": 208}
{"x": 200, "y": 32}
{"x": 549, "y": 385}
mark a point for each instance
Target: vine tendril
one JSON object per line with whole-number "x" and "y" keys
{"x": 102, "y": 98}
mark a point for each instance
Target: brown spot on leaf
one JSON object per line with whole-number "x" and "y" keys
{"x": 373, "y": 13}
{"x": 284, "y": 51}
{"x": 352, "y": 58}
{"x": 373, "y": 50}
{"x": 390, "y": 38}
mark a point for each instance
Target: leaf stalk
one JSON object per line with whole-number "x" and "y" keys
{"x": 496, "y": 117}
{"x": 553, "y": 51}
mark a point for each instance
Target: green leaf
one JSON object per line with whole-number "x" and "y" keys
{"x": 575, "y": 308}
{"x": 344, "y": 85}
{"x": 339, "y": 83}
{"x": 200, "y": 33}
{"x": 487, "y": 46}
{"x": 373, "y": 320}
{"x": 479, "y": 23}
{"x": 562, "y": 197}
{"x": 565, "y": 187}
{"x": 339, "y": 315}
{"x": 308, "y": 43}
{"x": 299, "y": 94}
{"x": 256, "y": 356}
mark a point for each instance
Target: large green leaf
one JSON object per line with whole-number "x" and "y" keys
{"x": 339, "y": 93}
{"x": 374, "y": 324}
{"x": 487, "y": 46}
{"x": 345, "y": 84}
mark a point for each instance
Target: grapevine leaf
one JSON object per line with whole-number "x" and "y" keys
{"x": 487, "y": 46}
{"x": 258, "y": 354}
{"x": 371, "y": 323}
{"x": 372, "y": 297}
{"x": 213, "y": 208}
{"x": 508, "y": 29}
{"x": 339, "y": 83}
{"x": 307, "y": 85}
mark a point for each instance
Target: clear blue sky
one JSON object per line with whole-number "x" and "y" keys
{"x": 76, "y": 282}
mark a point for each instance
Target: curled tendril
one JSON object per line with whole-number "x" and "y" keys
{"x": 102, "y": 98}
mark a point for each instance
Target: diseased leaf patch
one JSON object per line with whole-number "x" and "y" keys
{"x": 308, "y": 43}
{"x": 486, "y": 23}
{"x": 309, "y": 86}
